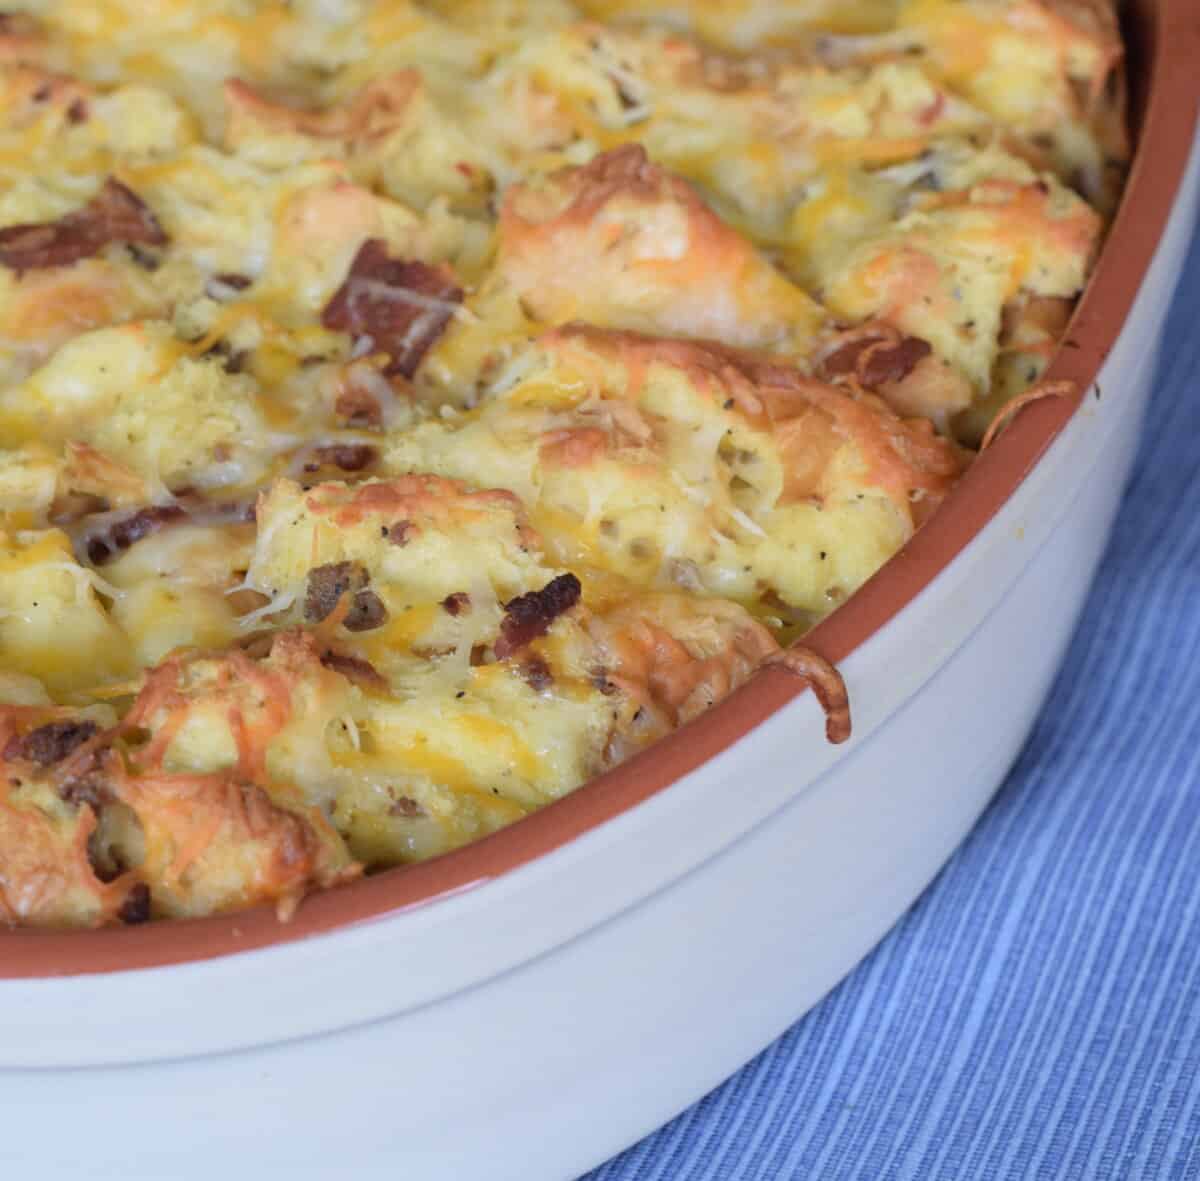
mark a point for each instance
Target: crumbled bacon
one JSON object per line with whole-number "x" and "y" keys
{"x": 875, "y": 360}
{"x": 353, "y": 668}
{"x": 399, "y": 532}
{"x": 535, "y": 672}
{"x": 406, "y": 807}
{"x": 329, "y": 583}
{"x": 100, "y": 536}
{"x": 121, "y": 532}
{"x": 358, "y": 407}
{"x": 51, "y": 743}
{"x": 14, "y": 24}
{"x": 114, "y": 214}
{"x": 366, "y": 613}
{"x": 456, "y": 603}
{"x": 87, "y": 783}
{"x": 226, "y": 286}
{"x": 232, "y": 360}
{"x": 403, "y": 307}
{"x": 530, "y": 615}
{"x": 146, "y": 259}
{"x": 600, "y": 682}
{"x": 21, "y": 37}
{"x": 364, "y": 397}
{"x": 349, "y": 457}
{"x": 136, "y": 907}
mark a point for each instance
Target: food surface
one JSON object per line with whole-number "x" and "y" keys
{"x": 410, "y": 410}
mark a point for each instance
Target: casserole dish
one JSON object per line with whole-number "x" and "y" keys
{"x": 637, "y": 954}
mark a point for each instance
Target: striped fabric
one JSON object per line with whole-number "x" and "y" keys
{"x": 1037, "y": 1013}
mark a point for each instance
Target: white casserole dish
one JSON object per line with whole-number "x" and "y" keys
{"x": 532, "y": 1024}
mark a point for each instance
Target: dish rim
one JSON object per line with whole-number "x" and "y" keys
{"x": 1161, "y": 40}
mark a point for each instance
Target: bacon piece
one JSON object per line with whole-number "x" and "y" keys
{"x": 51, "y": 743}
{"x": 21, "y": 38}
{"x": 353, "y": 668}
{"x": 364, "y": 397}
{"x": 357, "y": 407}
{"x": 99, "y": 537}
{"x": 402, "y": 306}
{"x": 349, "y": 457}
{"x": 79, "y": 762}
{"x": 456, "y": 603}
{"x": 903, "y": 370}
{"x": 535, "y": 672}
{"x": 14, "y": 24}
{"x": 366, "y": 613}
{"x": 114, "y": 214}
{"x": 232, "y": 360}
{"x": 31, "y": 92}
{"x": 530, "y": 615}
{"x": 89, "y": 783}
{"x": 120, "y": 533}
{"x": 406, "y": 807}
{"x": 399, "y": 533}
{"x": 329, "y": 583}
{"x": 136, "y": 907}
{"x": 875, "y": 360}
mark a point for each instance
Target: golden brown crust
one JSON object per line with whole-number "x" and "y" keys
{"x": 656, "y": 256}
{"x": 673, "y": 657}
{"x": 411, "y": 499}
{"x": 54, "y": 771}
{"x": 22, "y": 39}
{"x": 378, "y": 109}
{"x": 216, "y": 843}
{"x": 904, "y": 457}
{"x": 190, "y": 843}
{"x": 32, "y": 92}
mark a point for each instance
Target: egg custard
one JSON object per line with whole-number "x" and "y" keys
{"x": 410, "y": 409}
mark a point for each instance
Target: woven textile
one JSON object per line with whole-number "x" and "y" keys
{"x": 1037, "y": 1013}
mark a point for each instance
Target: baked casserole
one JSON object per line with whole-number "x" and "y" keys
{"x": 409, "y": 410}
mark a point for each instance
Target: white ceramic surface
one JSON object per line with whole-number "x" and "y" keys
{"x": 532, "y": 1026}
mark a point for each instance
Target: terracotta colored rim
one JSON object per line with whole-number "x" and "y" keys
{"x": 1163, "y": 37}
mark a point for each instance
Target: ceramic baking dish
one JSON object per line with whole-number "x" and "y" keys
{"x": 530, "y": 1004}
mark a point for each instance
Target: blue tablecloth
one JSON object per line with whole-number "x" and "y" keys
{"x": 1037, "y": 1013}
